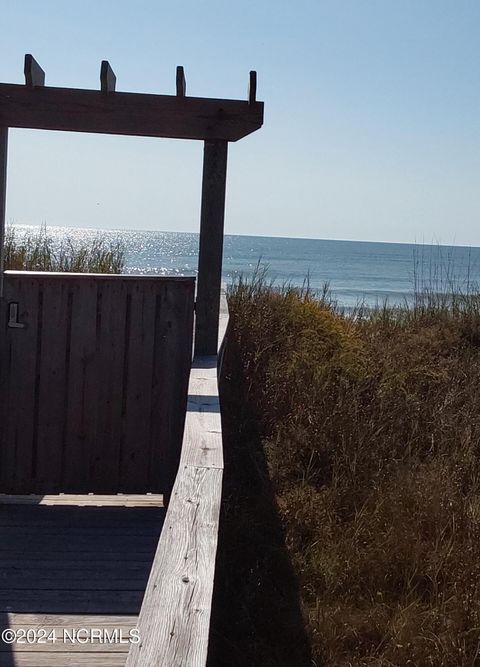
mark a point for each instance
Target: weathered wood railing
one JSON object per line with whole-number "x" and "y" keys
{"x": 175, "y": 615}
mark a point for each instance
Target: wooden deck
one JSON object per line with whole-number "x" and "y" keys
{"x": 75, "y": 563}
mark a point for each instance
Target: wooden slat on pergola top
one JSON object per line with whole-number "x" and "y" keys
{"x": 37, "y": 106}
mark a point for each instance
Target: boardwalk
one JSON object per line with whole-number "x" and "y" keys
{"x": 75, "y": 566}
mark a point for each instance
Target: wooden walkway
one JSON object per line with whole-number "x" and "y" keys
{"x": 79, "y": 565}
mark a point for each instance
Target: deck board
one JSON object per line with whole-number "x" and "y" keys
{"x": 85, "y": 500}
{"x": 67, "y": 659}
{"x": 65, "y": 566}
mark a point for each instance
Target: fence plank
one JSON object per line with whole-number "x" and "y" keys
{"x": 81, "y": 420}
{"x": 135, "y": 445}
{"x": 169, "y": 397}
{"x": 53, "y": 377}
{"x": 113, "y": 314}
{"x": 19, "y": 389}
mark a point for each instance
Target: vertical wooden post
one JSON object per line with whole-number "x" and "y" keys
{"x": 211, "y": 247}
{"x": 3, "y": 197}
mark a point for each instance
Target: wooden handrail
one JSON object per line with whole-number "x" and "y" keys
{"x": 174, "y": 620}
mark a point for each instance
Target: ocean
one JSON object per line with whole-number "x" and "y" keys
{"x": 355, "y": 271}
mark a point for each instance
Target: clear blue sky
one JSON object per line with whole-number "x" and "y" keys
{"x": 372, "y": 115}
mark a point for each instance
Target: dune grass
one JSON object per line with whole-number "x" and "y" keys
{"x": 370, "y": 430}
{"x": 39, "y": 252}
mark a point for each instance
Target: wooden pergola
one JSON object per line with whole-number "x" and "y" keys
{"x": 213, "y": 121}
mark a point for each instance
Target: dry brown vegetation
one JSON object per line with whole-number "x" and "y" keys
{"x": 370, "y": 429}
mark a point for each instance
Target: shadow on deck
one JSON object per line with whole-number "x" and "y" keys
{"x": 70, "y": 568}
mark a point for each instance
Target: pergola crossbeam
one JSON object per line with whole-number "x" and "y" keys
{"x": 137, "y": 114}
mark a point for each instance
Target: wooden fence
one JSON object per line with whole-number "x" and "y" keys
{"x": 93, "y": 382}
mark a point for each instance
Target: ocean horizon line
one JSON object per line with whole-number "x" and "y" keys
{"x": 433, "y": 244}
